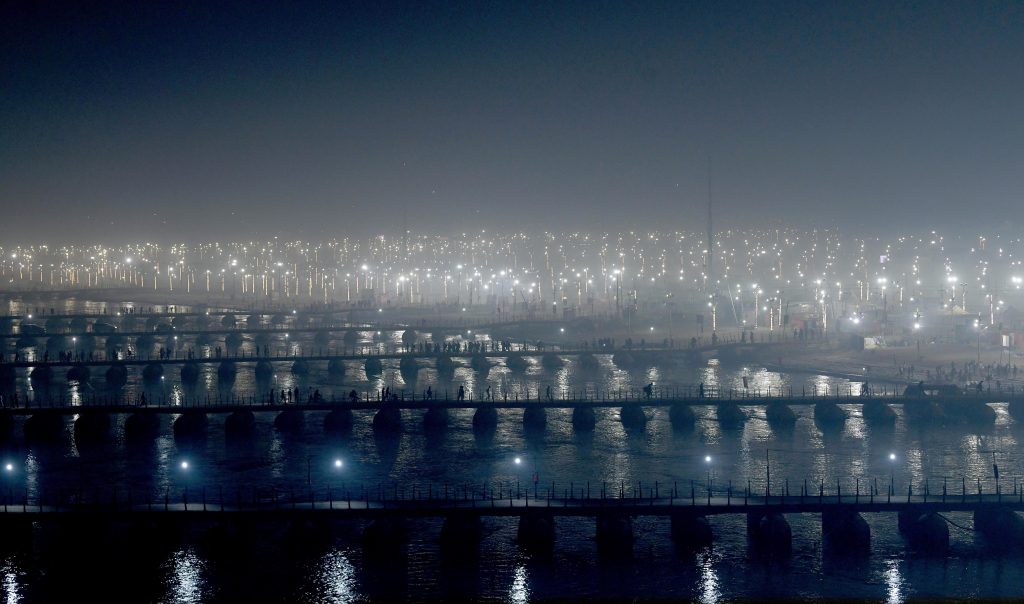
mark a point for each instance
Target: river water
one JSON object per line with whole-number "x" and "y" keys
{"x": 335, "y": 570}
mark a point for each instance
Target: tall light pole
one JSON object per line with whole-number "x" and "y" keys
{"x": 757, "y": 308}
{"x": 707, "y": 461}
{"x": 892, "y": 474}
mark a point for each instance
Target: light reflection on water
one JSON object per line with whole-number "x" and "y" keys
{"x": 895, "y": 593}
{"x": 519, "y": 592}
{"x": 12, "y": 587}
{"x": 186, "y": 581}
{"x": 333, "y": 580}
{"x": 708, "y": 589}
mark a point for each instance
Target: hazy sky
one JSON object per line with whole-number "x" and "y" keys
{"x": 243, "y": 119}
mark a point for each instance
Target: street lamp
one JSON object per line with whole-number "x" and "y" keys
{"x": 707, "y": 461}
{"x": 892, "y": 474}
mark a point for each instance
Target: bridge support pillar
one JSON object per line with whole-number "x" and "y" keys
{"x": 17, "y": 533}
{"x": 878, "y": 413}
{"x": 829, "y": 416}
{"x": 152, "y": 372}
{"x": 239, "y": 424}
{"x": 388, "y": 420}
{"x": 485, "y": 420}
{"x": 336, "y": 368}
{"x": 925, "y": 532}
{"x": 190, "y": 426}
{"x": 190, "y": 373}
{"x": 6, "y": 427}
{"x": 633, "y": 417}
{"x": 436, "y": 419}
{"x": 338, "y": 421}
{"x": 8, "y": 375}
{"x": 583, "y": 418}
{"x": 290, "y": 420}
{"x": 535, "y": 418}
{"x": 116, "y": 376}
{"x": 769, "y": 533}
{"x": 682, "y": 417}
{"x": 614, "y": 534}
{"x": 92, "y": 428}
{"x": 461, "y": 533}
{"x": 264, "y": 371}
{"x": 227, "y": 371}
{"x": 844, "y": 532}
{"x": 384, "y": 537}
{"x": 229, "y": 535}
{"x": 141, "y": 426}
{"x": 691, "y": 531}
{"x": 305, "y": 532}
{"x": 79, "y": 373}
{"x": 44, "y": 427}
{"x": 730, "y": 416}
{"x": 157, "y": 530}
{"x": 536, "y": 531}
{"x": 780, "y": 416}
{"x": 1003, "y": 528}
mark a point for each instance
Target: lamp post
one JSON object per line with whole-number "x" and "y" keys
{"x": 707, "y": 461}
{"x": 892, "y": 474}
{"x": 757, "y": 294}
{"x": 518, "y": 461}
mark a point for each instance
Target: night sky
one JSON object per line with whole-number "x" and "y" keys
{"x": 198, "y": 119}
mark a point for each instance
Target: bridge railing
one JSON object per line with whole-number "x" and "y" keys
{"x": 213, "y": 352}
{"x": 659, "y": 396}
{"x": 412, "y": 497}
